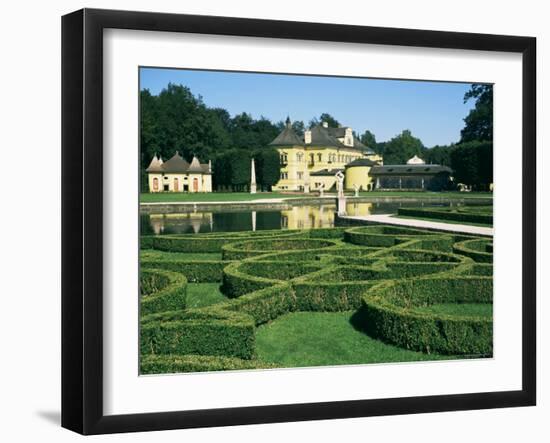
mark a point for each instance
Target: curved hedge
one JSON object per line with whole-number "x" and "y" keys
{"x": 391, "y": 275}
{"x": 380, "y": 235}
{"x": 388, "y": 312}
{"x": 207, "y": 242}
{"x": 198, "y": 331}
{"x": 251, "y": 248}
{"x": 477, "y": 249}
{"x": 162, "y": 291}
{"x": 457, "y": 215}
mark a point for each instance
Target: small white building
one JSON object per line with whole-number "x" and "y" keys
{"x": 177, "y": 175}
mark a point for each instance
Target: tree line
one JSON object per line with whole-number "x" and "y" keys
{"x": 175, "y": 119}
{"x": 471, "y": 158}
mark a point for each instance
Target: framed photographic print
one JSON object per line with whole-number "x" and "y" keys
{"x": 269, "y": 221}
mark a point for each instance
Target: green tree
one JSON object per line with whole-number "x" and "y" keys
{"x": 325, "y": 117}
{"x": 269, "y": 168}
{"x": 240, "y": 169}
{"x": 438, "y": 155}
{"x": 369, "y": 140}
{"x": 479, "y": 121}
{"x": 401, "y": 148}
{"x": 298, "y": 127}
{"x": 472, "y": 163}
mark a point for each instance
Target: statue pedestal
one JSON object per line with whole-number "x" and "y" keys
{"x": 341, "y": 205}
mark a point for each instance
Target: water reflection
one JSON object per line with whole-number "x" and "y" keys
{"x": 298, "y": 217}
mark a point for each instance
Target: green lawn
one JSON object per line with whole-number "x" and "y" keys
{"x": 185, "y": 197}
{"x": 200, "y": 295}
{"x": 460, "y": 309}
{"x": 325, "y": 338}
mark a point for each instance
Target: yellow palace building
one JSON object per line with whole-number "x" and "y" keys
{"x": 311, "y": 162}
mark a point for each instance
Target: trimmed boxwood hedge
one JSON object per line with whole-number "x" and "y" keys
{"x": 388, "y": 313}
{"x": 162, "y": 291}
{"x": 380, "y": 235}
{"x": 475, "y": 249}
{"x": 212, "y": 242}
{"x": 196, "y": 271}
{"x": 388, "y": 281}
{"x": 251, "y": 248}
{"x": 448, "y": 215}
{"x": 198, "y": 331}
{"x": 165, "y": 364}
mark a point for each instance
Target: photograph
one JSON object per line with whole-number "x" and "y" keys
{"x": 301, "y": 221}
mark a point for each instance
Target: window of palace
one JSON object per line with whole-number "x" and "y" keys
{"x": 300, "y": 175}
{"x": 320, "y": 157}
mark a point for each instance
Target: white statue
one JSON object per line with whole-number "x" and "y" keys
{"x": 356, "y": 187}
{"x": 321, "y": 189}
{"x": 341, "y": 197}
{"x": 340, "y": 183}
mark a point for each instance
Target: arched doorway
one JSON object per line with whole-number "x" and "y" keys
{"x": 195, "y": 185}
{"x": 155, "y": 184}
{"x": 176, "y": 185}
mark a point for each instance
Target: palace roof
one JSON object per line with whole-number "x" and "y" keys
{"x": 287, "y": 137}
{"x": 177, "y": 165}
{"x": 362, "y": 162}
{"x": 326, "y": 172}
{"x": 321, "y": 136}
{"x": 418, "y": 169}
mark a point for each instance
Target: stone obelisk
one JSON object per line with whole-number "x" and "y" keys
{"x": 252, "y": 178}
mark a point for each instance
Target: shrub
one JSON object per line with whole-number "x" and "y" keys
{"x": 239, "y": 251}
{"x": 236, "y": 283}
{"x": 380, "y": 235}
{"x": 388, "y": 312}
{"x": 449, "y": 215}
{"x": 162, "y": 291}
{"x": 203, "y": 332}
{"x": 206, "y": 242}
{"x": 164, "y": 364}
{"x": 204, "y": 271}
{"x": 475, "y": 249}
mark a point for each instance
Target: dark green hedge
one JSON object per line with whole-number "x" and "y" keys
{"x": 207, "y": 242}
{"x": 162, "y": 291}
{"x": 202, "y": 332}
{"x": 475, "y": 249}
{"x": 266, "y": 304}
{"x": 448, "y": 215}
{"x": 389, "y": 281}
{"x": 388, "y": 313}
{"x": 236, "y": 283}
{"x": 333, "y": 233}
{"x": 165, "y": 364}
{"x": 203, "y": 271}
{"x": 382, "y": 235}
{"x": 242, "y": 250}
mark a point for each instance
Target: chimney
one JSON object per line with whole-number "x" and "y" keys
{"x": 325, "y": 124}
{"x": 307, "y": 136}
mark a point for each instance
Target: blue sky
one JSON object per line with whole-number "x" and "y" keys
{"x": 433, "y": 111}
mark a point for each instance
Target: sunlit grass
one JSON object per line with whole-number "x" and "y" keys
{"x": 200, "y": 295}
{"x": 326, "y": 338}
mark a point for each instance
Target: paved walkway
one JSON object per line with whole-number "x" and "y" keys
{"x": 388, "y": 219}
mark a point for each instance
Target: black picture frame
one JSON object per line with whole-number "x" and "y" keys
{"x": 82, "y": 218}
